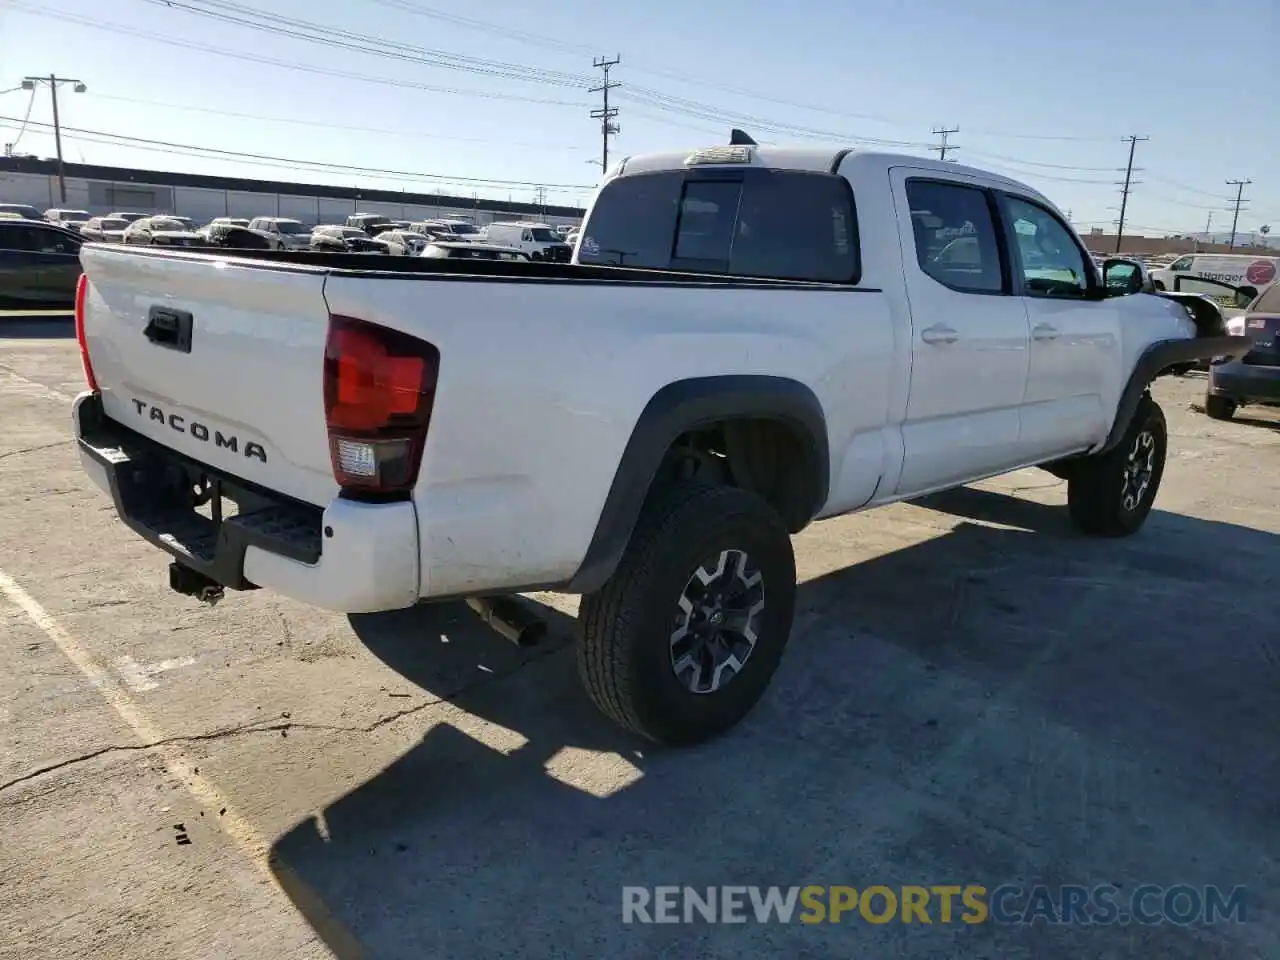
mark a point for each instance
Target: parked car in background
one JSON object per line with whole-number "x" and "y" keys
{"x": 404, "y": 243}
{"x": 163, "y": 231}
{"x": 285, "y": 232}
{"x": 223, "y": 221}
{"x": 234, "y": 236}
{"x": 128, "y": 216}
{"x": 538, "y": 240}
{"x": 462, "y": 250}
{"x": 1255, "y": 377}
{"x": 344, "y": 239}
{"x": 370, "y": 223}
{"x": 23, "y": 210}
{"x": 104, "y": 229}
{"x": 68, "y": 219}
{"x": 458, "y": 229}
{"x": 39, "y": 265}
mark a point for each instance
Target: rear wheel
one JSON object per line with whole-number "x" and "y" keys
{"x": 684, "y": 638}
{"x": 1112, "y": 494}
{"x": 1219, "y": 408}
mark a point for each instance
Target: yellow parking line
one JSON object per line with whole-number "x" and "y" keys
{"x": 252, "y": 843}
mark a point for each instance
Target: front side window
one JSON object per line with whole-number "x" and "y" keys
{"x": 1050, "y": 261}
{"x": 36, "y": 240}
{"x": 1182, "y": 264}
{"x": 955, "y": 236}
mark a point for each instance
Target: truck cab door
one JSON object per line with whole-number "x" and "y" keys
{"x": 1073, "y": 370}
{"x": 969, "y": 334}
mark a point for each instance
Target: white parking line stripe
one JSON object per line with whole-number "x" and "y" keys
{"x": 252, "y": 843}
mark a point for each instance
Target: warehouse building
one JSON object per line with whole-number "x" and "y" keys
{"x": 101, "y": 190}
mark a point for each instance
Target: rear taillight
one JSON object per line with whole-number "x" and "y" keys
{"x": 379, "y": 388}
{"x": 82, "y": 292}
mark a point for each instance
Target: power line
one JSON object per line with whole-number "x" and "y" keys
{"x": 237, "y": 14}
{"x": 1235, "y": 216}
{"x": 288, "y": 161}
{"x": 1128, "y": 185}
{"x": 285, "y": 64}
{"x": 943, "y": 146}
{"x": 606, "y": 113}
{"x": 382, "y": 131}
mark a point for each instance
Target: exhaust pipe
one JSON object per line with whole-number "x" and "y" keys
{"x": 511, "y": 619}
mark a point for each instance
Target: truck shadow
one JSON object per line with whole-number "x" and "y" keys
{"x": 997, "y": 703}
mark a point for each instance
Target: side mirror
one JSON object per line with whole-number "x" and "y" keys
{"x": 1121, "y": 277}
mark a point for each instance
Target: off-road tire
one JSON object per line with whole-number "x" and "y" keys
{"x": 1097, "y": 488}
{"x": 1219, "y": 408}
{"x": 624, "y": 651}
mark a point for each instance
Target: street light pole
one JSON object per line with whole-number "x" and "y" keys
{"x": 30, "y": 83}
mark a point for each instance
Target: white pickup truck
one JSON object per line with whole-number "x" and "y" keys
{"x": 750, "y": 338}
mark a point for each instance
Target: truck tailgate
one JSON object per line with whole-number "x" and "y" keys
{"x": 216, "y": 358}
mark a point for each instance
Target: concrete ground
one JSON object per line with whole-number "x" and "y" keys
{"x": 972, "y": 695}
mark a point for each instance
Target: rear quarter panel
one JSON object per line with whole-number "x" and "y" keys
{"x": 542, "y": 383}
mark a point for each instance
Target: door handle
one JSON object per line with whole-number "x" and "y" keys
{"x": 1045, "y": 331}
{"x": 939, "y": 333}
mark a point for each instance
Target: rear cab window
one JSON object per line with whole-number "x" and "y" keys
{"x": 770, "y": 224}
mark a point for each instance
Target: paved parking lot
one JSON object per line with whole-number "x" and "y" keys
{"x": 973, "y": 695}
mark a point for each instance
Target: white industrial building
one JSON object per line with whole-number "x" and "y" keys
{"x": 101, "y": 190}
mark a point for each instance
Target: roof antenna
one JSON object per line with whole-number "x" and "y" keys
{"x": 739, "y": 138}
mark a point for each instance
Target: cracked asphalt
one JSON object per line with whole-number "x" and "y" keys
{"x": 973, "y": 695}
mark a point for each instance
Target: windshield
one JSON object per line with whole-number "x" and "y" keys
{"x": 166, "y": 223}
{"x": 113, "y": 223}
{"x": 291, "y": 227}
{"x": 462, "y": 229}
{"x": 546, "y": 235}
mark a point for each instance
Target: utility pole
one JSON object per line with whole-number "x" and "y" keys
{"x": 540, "y": 198}
{"x": 1128, "y": 185}
{"x": 30, "y": 83}
{"x": 942, "y": 148}
{"x": 606, "y": 113}
{"x": 1235, "y": 217}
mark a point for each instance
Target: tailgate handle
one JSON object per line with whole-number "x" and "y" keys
{"x": 169, "y": 328}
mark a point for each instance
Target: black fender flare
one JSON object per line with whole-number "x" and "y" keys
{"x": 1158, "y": 358}
{"x": 687, "y": 405}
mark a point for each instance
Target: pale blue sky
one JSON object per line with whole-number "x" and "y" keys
{"x": 1042, "y": 91}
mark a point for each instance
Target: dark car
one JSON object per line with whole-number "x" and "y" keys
{"x": 1255, "y": 377}
{"x": 370, "y": 223}
{"x": 231, "y": 236}
{"x": 39, "y": 266}
{"x": 23, "y": 210}
{"x": 346, "y": 239}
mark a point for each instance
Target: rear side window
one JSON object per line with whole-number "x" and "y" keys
{"x": 770, "y": 224}
{"x": 955, "y": 236}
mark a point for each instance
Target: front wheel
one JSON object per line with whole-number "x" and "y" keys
{"x": 684, "y": 638}
{"x": 1112, "y": 494}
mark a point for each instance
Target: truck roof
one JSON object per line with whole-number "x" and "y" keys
{"x": 816, "y": 158}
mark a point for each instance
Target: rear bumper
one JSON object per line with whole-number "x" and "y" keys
{"x": 349, "y": 557}
{"x": 1245, "y": 382}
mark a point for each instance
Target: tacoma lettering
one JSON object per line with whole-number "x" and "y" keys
{"x": 252, "y": 450}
